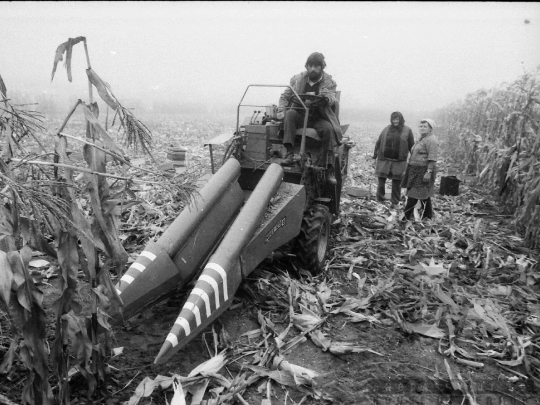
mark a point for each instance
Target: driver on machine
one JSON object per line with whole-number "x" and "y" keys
{"x": 321, "y": 117}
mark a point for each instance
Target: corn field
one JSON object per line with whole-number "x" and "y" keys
{"x": 493, "y": 135}
{"x": 42, "y": 200}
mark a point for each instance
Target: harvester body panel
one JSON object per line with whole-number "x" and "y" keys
{"x": 281, "y": 223}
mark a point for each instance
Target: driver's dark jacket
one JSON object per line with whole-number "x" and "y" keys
{"x": 327, "y": 88}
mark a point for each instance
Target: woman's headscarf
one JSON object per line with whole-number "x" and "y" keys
{"x": 398, "y": 115}
{"x": 430, "y": 122}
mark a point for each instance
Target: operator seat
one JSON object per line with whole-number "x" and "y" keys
{"x": 311, "y": 132}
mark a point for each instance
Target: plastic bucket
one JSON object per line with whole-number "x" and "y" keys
{"x": 177, "y": 155}
{"x": 449, "y": 185}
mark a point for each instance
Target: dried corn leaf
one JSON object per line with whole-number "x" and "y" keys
{"x": 490, "y": 314}
{"x": 3, "y": 90}
{"x": 305, "y": 321}
{"x": 440, "y": 294}
{"x": 459, "y": 384}
{"x": 323, "y": 292}
{"x": 356, "y": 317}
{"x": 210, "y": 366}
{"x": 198, "y": 390}
{"x": 298, "y": 371}
{"x": 434, "y": 270}
{"x": 66, "y": 47}
{"x": 424, "y": 329}
{"x": 283, "y": 376}
{"x": 320, "y": 340}
{"x": 352, "y": 303}
{"x": 111, "y": 145}
{"x": 345, "y": 348}
{"x": 519, "y": 360}
{"x": 103, "y": 89}
{"x": 144, "y": 389}
{"x": 6, "y": 278}
{"x": 178, "y": 397}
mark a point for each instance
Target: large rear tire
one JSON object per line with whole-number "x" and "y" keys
{"x": 312, "y": 243}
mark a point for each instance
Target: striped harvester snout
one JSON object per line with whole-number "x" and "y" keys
{"x": 185, "y": 246}
{"x": 248, "y": 234}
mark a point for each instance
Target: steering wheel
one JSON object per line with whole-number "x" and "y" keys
{"x": 311, "y": 99}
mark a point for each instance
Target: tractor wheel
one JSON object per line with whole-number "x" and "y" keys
{"x": 312, "y": 243}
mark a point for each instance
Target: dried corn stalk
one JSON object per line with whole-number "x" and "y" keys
{"x": 494, "y": 135}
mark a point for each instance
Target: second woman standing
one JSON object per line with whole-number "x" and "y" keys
{"x": 419, "y": 179}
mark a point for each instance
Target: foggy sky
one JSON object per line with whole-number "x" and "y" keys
{"x": 390, "y": 55}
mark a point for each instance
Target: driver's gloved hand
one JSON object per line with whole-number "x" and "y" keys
{"x": 325, "y": 101}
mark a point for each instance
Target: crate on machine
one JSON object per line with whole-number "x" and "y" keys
{"x": 260, "y": 139}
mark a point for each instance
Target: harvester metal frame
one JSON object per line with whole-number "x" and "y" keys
{"x": 308, "y": 174}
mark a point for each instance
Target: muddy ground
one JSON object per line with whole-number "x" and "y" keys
{"x": 408, "y": 372}
{"x": 409, "y": 369}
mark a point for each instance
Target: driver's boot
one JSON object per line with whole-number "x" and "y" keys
{"x": 288, "y": 160}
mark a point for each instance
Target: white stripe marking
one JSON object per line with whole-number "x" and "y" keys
{"x": 171, "y": 337}
{"x": 118, "y": 291}
{"x": 223, "y": 274}
{"x": 150, "y": 255}
{"x": 213, "y": 283}
{"x": 190, "y": 306}
{"x": 138, "y": 266}
{"x": 185, "y": 324}
{"x": 204, "y": 296}
{"x": 127, "y": 278}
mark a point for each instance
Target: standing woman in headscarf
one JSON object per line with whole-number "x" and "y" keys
{"x": 419, "y": 179}
{"x": 391, "y": 151}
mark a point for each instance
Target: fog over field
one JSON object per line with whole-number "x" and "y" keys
{"x": 384, "y": 56}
